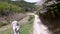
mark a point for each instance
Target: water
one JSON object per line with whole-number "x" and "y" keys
{"x": 39, "y": 28}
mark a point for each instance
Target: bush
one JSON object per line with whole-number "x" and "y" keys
{"x": 6, "y": 8}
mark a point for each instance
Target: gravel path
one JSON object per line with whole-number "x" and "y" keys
{"x": 38, "y": 27}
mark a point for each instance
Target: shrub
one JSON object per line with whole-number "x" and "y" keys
{"x": 6, "y": 8}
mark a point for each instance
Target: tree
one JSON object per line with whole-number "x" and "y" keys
{"x": 51, "y": 8}
{"x": 52, "y": 13}
{"x": 6, "y": 8}
{"x": 23, "y": 4}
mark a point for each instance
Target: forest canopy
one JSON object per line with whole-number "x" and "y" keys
{"x": 8, "y": 6}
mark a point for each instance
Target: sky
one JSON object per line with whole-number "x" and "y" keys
{"x": 31, "y": 0}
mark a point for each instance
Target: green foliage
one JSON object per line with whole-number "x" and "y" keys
{"x": 9, "y": 8}
{"x": 53, "y": 11}
{"x": 27, "y": 28}
{"x": 31, "y": 17}
{"x": 23, "y": 4}
{"x": 52, "y": 15}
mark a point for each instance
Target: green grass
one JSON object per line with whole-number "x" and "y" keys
{"x": 8, "y": 31}
{"x": 24, "y": 30}
{"x": 27, "y": 28}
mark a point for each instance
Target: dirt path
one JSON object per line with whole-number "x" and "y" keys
{"x": 5, "y": 27}
{"x": 38, "y": 27}
{"x": 24, "y": 20}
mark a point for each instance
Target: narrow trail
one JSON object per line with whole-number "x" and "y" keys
{"x": 21, "y": 22}
{"x": 24, "y": 20}
{"x": 5, "y": 27}
{"x": 38, "y": 27}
